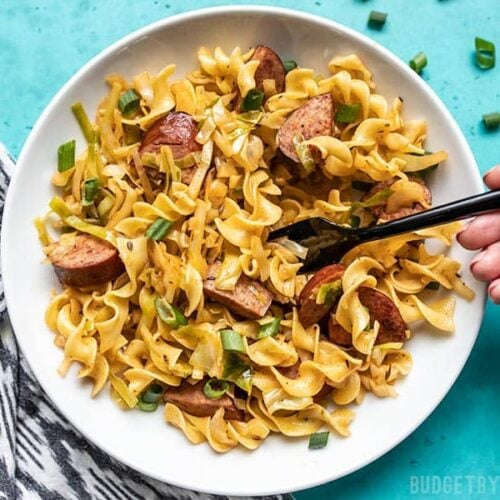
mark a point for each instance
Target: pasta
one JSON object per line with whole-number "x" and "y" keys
{"x": 177, "y": 198}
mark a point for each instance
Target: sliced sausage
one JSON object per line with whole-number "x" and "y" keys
{"x": 249, "y": 298}
{"x": 270, "y": 68}
{"x": 293, "y": 373}
{"x": 380, "y": 212}
{"x": 382, "y": 309}
{"x": 177, "y": 130}
{"x": 86, "y": 261}
{"x": 192, "y": 400}
{"x": 309, "y": 311}
{"x": 312, "y": 119}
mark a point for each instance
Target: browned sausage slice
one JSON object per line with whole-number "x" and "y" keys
{"x": 87, "y": 261}
{"x": 312, "y": 119}
{"x": 380, "y": 212}
{"x": 177, "y": 130}
{"x": 270, "y": 68}
{"x": 249, "y": 298}
{"x": 309, "y": 311}
{"x": 190, "y": 398}
{"x": 382, "y": 309}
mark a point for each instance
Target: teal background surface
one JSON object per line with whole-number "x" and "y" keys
{"x": 456, "y": 452}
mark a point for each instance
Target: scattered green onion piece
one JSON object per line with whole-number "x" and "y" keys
{"x": 373, "y": 201}
{"x": 152, "y": 394}
{"x": 66, "y": 156}
{"x": 232, "y": 341}
{"x": 159, "y": 229}
{"x": 328, "y": 292}
{"x": 304, "y": 153}
{"x": 131, "y": 134}
{"x": 269, "y": 329}
{"x": 377, "y": 19}
{"x": 491, "y": 120}
{"x": 485, "y": 53}
{"x": 149, "y": 407}
{"x": 129, "y": 102}
{"x": 347, "y": 113}
{"x": 361, "y": 185}
{"x": 169, "y": 314}
{"x": 84, "y": 122}
{"x": 318, "y": 440}
{"x": 418, "y": 63}
{"x": 253, "y": 100}
{"x": 354, "y": 221}
{"x": 91, "y": 188}
{"x": 237, "y": 369}
{"x": 433, "y": 285}
{"x": 289, "y": 65}
{"x": 215, "y": 389}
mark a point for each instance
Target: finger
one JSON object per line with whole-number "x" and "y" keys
{"x": 481, "y": 232}
{"x": 485, "y": 266}
{"x": 492, "y": 178}
{"x": 494, "y": 291}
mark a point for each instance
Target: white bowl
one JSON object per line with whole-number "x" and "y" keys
{"x": 143, "y": 441}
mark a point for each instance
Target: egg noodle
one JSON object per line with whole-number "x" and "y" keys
{"x": 239, "y": 191}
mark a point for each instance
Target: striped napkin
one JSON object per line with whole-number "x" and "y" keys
{"x": 42, "y": 457}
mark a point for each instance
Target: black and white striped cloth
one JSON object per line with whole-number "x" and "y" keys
{"x": 42, "y": 457}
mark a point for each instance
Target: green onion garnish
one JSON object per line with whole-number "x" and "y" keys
{"x": 129, "y": 102}
{"x": 491, "y": 120}
{"x": 215, "y": 389}
{"x": 237, "y": 369}
{"x": 377, "y": 19}
{"x": 318, "y": 440}
{"x": 66, "y": 156}
{"x": 152, "y": 394}
{"x": 149, "y": 407}
{"x": 485, "y": 53}
{"x": 418, "y": 63}
{"x": 433, "y": 285}
{"x": 91, "y": 188}
{"x": 289, "y": 65}
{"x": 253, "y": 100}
{"x": 373, "y": 201}
{"x": 159, "y": 229}
{"x": 232, "y": 341}
{"x": 328, "y": 292}
{"x": 269, "y": 329}
{"x": 169, "y": 314}
{"x": 83, "y": 121}
{"x": 347, "y": 113}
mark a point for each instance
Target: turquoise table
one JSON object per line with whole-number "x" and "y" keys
{"x": 456, "y": 452}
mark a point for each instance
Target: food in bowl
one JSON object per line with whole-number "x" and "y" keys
{"x": 171, "y": 291}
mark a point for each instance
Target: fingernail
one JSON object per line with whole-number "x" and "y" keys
{"x": 475, "y": 260}
{"x": 490, "y": 171}
{"x": 494, "y": 289}
{"x": 462, "y": 229}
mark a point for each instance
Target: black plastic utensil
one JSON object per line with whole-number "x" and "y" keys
{"x": 327, "y": 242}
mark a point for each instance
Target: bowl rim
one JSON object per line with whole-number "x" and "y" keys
{"x": 179, "y": 19}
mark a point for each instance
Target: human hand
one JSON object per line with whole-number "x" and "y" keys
{"x": 484, "y": 233}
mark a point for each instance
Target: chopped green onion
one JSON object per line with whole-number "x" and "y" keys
{"x": 91, "y": 188}
{"x": 152, "y": 394}
{"x": 237, "y": 369}
{"x": 491, "y": 120}
{"x": 169, "y": 314}
{"x": 129, "y": 102}
{"x": 347, "y": 113}
{"x": 159, "y": 229}
{"x": 328, "y": 292}
{"x": 377, "y": 19}
{"x": 289, "y": 65}
{"x": 485, "y": 53}
{"x": 269, "y": 329}
{"x": 418, "y": 63}
{"x": 304, "y": 153}
{"x": 433, "y": 285}
{"x": 215, "y": 389}
{"x": 84, "y": 122}
{"x": 361, "y": 185}
{"x": 149, "y": 407}
{"x": 131, "y": 134}
{"x": 354, "y": 221}
{"x": 253, "y": 100}
{"x": 318, "y": 440}
{"x": 376, "y": 199}
{"x": 66, "y": 156}
{"x": 232, "y": 341}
